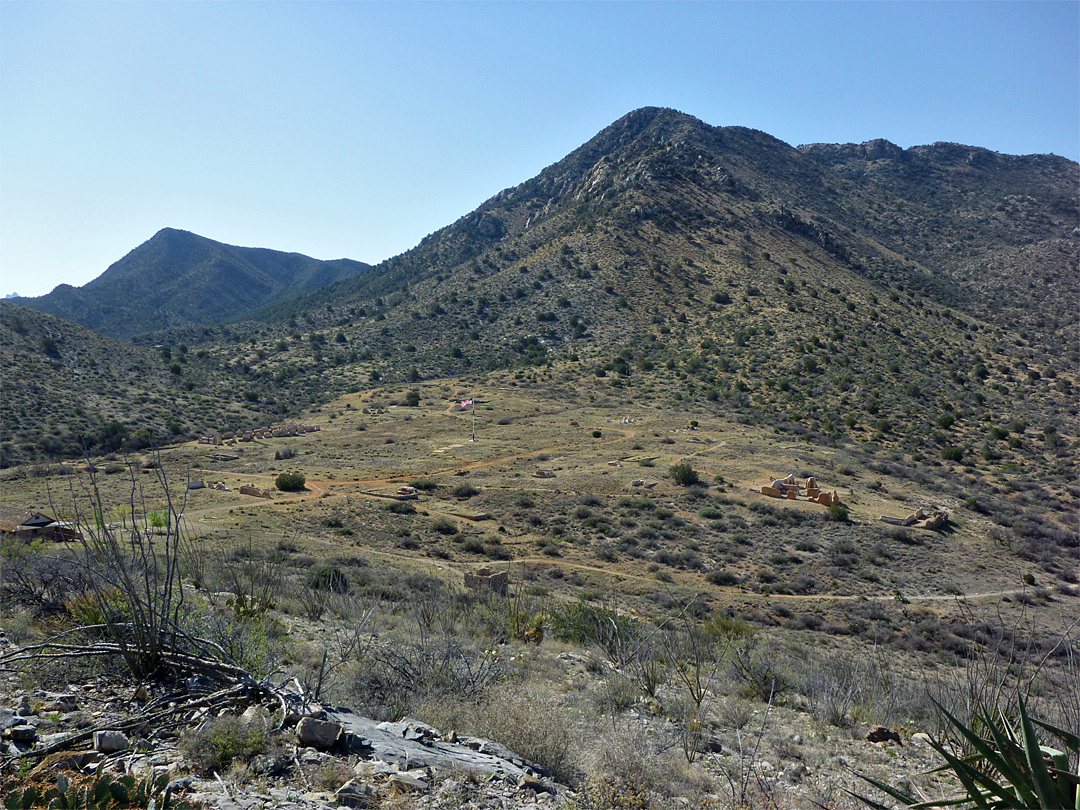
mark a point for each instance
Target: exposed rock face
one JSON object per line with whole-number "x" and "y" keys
{"x": 411, "y": 744}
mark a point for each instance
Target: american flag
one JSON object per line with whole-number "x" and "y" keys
{"x": 466, "y": 403}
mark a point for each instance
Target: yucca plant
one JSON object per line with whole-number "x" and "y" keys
{"x": 1010, "y": 767}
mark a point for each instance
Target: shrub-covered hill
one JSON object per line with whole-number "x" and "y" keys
{"x": 67, "y": 387}
{"x": 176, "y": 278}
{"x": 707, "y": 268}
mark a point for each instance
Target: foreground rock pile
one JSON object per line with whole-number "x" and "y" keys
{"x": 318, "y": 756}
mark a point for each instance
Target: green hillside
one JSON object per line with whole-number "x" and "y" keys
{"x": 67, "y": 388}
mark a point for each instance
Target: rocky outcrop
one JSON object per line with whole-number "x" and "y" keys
{"x": 377, "y": 760}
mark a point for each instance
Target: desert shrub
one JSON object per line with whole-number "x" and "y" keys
{"x": 37, "y": 580}
{"x": 423, "y": 484}
{"x": 758, "y": 668}
{"x": 722, "y": 578}
{"x": 444, "y": 526}
{"x": 838, "y": 513}
{"x": 465, "y": 491}
{"x": 223, "y": 740}
{"x": 290, "y": 481}
{"x": 533, "y": 724}
{"x": 684, "y": 475}
{"x": 498, "y": 552}
{"x": 584, "y": 624}
{"x": 328, "y": 578}
{"x": 400, "y": 675}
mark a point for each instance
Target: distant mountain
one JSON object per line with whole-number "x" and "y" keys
{"x": 178, "y": 278}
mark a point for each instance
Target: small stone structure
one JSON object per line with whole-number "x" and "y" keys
{"x": 267, "y": 432}
{"x": 542, "y": 473}
{"x": 486, "y": 579}
{"x": 247, "y": 489}
{"x": 919, "y": 519}
{"x": 791, "y": 489}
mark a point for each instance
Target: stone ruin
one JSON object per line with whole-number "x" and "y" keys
{"x": 486, "y": 579}
{"x": 791, "y": 489}
{"x": 269, "y": 432}
{"x": 542, "y": 473}
{"x": 247, "y": 489}
{"x": 919, "y": 519}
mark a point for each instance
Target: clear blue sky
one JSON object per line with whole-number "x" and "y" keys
{"x": 354, "y": 129}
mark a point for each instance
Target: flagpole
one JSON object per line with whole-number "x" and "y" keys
{"x": 473, "y": 439}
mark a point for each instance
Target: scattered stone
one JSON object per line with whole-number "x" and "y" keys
{"x": 320, "y": 734}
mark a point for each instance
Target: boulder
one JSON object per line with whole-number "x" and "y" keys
{"x": 357, "y": 794}
{"x": 109, "y": 742}
{"x": 22, "y": 734}
{"x": 880, "y": 734}
{"x": 320, "y": 734}
{"x": 407, "y": 783}
{"x": 535, "y": 785}
{"x": 9, "y": 718}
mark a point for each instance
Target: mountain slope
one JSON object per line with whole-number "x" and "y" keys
{"x": 67, "y": 387}
{"x": 177, "y": 277}
{"x": 1003, "y": 227}
{"x": 713, "y": 268}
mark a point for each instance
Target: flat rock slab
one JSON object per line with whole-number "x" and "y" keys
{"x": 411, "y": 744}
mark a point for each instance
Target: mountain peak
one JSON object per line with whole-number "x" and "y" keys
{"x": 177, "y": 277}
